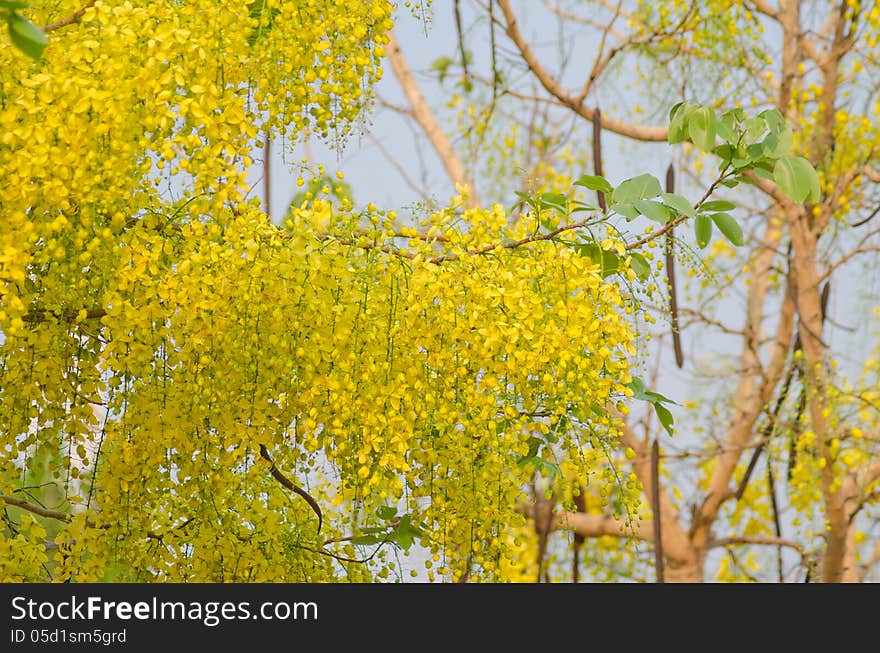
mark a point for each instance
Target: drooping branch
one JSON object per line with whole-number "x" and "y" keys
{"x": 281, "y": 478}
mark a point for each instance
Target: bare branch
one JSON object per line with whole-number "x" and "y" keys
{"x": 281, "y": 478}
{"x": 34, "y": 508}
{"x": 756, "y": 540}
{"x": 554, "y": 87}
{"x": 425, "y": 117}
{"x": 750, "y": 395}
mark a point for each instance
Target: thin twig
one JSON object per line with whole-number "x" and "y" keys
{"x": 70, "y": 20}
{"x": 281, "y": 478}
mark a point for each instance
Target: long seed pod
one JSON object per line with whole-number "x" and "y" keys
{"x": 670, "y": 278}
{"x": 578, "y": 540}
{"x": 597, "y": 154}
{"x": 655, "y": 508}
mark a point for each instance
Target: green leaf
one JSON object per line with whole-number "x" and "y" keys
{"x": 725, "y": 129}
{"x": 729, "y": 227}
{"x": 638, "y": 388}
{"x": 796, "y": 178}
{"x": 640, "y": 266}
{"x": 551, "y": 469}
{"x": 754, "y": 126}
{"x": 774, "y": 120}
{"x": 528, "y": 199}
{"x": 755, "y": 151}
{"x": 26, "y": 36}
{"x": 608, "y": 262}
{"x": 717, "y": 205}
{"x": 677, "y": 117}
{"x": 595, "y": 182}
{"x": 552, "y": 201}
{"x": 652, "y": 210}
{"x": 724, "y": 152}
{"x": 678, "y": 203}
{"x": 779, "y": 143}
{"x": 626, "y": 209}
{"x": 733, "y": 116}
{"x": 638, "y": 188}
{"x": 665, "y": 417}
{"x": 763, "y": 174}
{"x": 386, "y": 512}
{"x": 581, "y": 206}
{"x": 13, "y": 4}
{"x": 534, "y": 447}
{"x": 701, "y": 128}
{"x": 703, "y": 230}
{"x": 655, "y": 397}
{"x": 256, "y": 9}
{"x": 405, "y": 540}
{"x": 441, "y": 64}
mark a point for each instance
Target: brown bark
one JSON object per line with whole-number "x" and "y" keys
{"x": 425, "y": 117}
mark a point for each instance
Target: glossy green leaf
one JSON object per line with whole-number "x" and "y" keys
{"x": 652, "y": 210}
{"x": 779, "y": 143}
{"x": 701, "y": 128}
{"x": 595, "y": 182}
{"x": 608, "y": 262}
{"x": 725, "y": 129}
{"x": 677, "y": 125}
{"x": 729, "y": 227}
{"x": 665, "y": 417}
{"x": 386, "y": 512}
{"x": 26, "y": 36}
{"x": 654, "y": 397}
{"x": 797, "y": 178}
{"x": 638, "y": 388}
{"x": 626, "y": 209}
{"x": 703, "y": 230}
{"x": 754, "y": 127}
{"x": 367, "y": 539}
{"x": 774, "y": 120}
{"x": 678, "y": 203}
{"x": 717, "y": 205}
{"x": 637, "y": 188}
{"x": 640, "y": 266}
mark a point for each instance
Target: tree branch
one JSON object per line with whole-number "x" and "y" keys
{"x": 70, "y": 20}
{"x": 425, "y": 117}
{"x": 553, "y": 86}
{"x": 34, "y": 508}
{"x": 281, "y": 478}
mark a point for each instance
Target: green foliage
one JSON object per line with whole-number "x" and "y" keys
{"x": 657, "y": 400}
{"x": 27, "y": 37}
{"x": 265, "y": 16}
